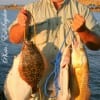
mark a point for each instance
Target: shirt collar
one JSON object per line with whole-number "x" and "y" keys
{"x": 65, "y": 2}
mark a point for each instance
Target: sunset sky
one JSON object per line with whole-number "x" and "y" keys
{"x": 4, "y": 2}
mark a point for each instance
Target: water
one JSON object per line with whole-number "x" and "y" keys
{"x": 9, "y": 50}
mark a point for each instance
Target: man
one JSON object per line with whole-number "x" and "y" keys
{"x": 48, "y": 21}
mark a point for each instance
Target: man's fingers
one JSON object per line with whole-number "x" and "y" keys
{"x": 23, "y": 11}
{"x": 24, "y": 17}
{"x": 78, "y": 22}
{"x": 79, "y": 18}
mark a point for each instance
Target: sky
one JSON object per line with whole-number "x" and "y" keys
{"x": 7, "y": 2}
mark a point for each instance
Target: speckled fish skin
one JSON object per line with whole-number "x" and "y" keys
{"x": 79, "y": 76}
{"x": 32, "y": 64}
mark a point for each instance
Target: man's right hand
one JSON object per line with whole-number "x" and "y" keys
{"x": 16, "y": 32}
{"x": 24, "y": 17}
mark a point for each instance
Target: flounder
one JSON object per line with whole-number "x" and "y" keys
{"x": 25, "y": 73}
{"x": 31, "y": 67}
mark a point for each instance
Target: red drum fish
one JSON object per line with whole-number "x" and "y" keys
{"x": 79, "y": 73}
{"x": 25, "y": 74}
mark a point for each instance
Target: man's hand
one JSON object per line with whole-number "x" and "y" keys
{"x": 24, "y": 17}
{"x": 78, "y": 23}
{"x": 88, "y": 37}
{"x": 16, "y": 32}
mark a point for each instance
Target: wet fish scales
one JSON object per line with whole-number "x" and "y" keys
{"x": 80, "y": 75}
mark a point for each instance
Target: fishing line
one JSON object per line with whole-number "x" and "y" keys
{"x": 25, "y": 38}
{"x": 56, "y": 70}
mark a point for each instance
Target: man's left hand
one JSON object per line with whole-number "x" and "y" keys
{"x": 78, "y": 23}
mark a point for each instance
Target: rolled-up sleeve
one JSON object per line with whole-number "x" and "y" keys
{"x": 89, "y": 17}
{"x": 91, "y": 21}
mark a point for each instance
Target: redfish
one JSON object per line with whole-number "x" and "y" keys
{"x": 79, "y": 73}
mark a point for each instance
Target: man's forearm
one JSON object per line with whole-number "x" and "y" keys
{"x": 91, "y": 40}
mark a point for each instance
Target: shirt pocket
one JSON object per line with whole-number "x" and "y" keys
{"x": 41, "y": 35}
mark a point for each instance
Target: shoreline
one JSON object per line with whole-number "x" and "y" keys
{"x": 11, "y": 7}
{"x": 18, "y": 7}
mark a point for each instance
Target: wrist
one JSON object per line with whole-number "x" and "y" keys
{"x": 82, "y": 29}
